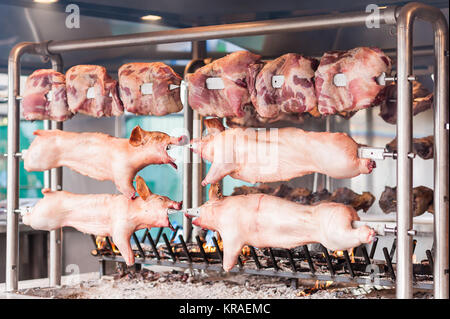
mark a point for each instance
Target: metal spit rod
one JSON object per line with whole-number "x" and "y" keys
{"x": 405, "y": 23}
{"x": 55, "y": 238}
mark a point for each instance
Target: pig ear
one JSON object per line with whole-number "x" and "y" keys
{"x": 136, "y": 137}
{"x": 142, "y": 188}
{"x": 214, "y": 192}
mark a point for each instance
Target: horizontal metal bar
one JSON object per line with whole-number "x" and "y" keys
{"x": 264, "y": 272}
{"x": 386, "y": 16}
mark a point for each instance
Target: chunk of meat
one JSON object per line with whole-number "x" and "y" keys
{"x": 296, "y": 95}
{"x": 105, "y": 101}
{"x": 422, "y": 200}
{"x": 346, "y": 196}
{"x": 164, "y": 99}
{"x": 45, "y": 97}
{"x": 263, "y": 221}
{"x": 232, "y": 69}
{"x": 252, "y": 119}
{"x": 421, "y": 146}
{"x": 102, "y": 214}
{"x": 273, "y": 155}
{"x": 361, "y": 67}
{"x": 422, "y": 101}
{"x": 304, "y": 196}
{"x": 100, "y": 156}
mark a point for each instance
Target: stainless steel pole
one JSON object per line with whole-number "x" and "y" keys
{"x": 55, "y": 262}
{"x": 12, "y": 192}
{"x": 387, "y": 16}
{"x": 198, "y": 52}
{"x": 441, "y": 153}
{"x": 405, "y": 23}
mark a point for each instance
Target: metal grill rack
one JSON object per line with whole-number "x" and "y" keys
{"x": 402, "y": 17}
{"x": 289, "y": 263}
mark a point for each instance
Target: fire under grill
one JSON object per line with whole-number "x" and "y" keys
{"x": 359, "y": 266}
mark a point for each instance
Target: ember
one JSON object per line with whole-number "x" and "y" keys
{"x": 319, "y": 285}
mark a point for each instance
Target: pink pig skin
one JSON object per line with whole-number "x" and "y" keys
{"x": 100, "y": 156}
{"x": 263, "y": 221}
{"x": 101, "y": 215}
{"x": 247, "y": 154}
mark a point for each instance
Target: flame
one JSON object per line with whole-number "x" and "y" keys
{"x": 101, "y": 243}
{"x": 319, "y": 285}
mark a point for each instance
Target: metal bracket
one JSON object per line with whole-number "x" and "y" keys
{"x": 16, "y": 154}
{"x": 393, "y": 230}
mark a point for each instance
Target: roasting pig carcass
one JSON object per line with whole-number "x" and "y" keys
{"x": 296, "y": 94}
{"x": 422, "y": 200}
{"x": 102, "y": 214}
{"x": 164, "y": 97}
{"x": 361, "y": 67}
{"x": 423, "y": 147}
{"x": 422, "y": 101}
{"x": 104, "y": 100}
{"x": 100, "y": 156}
{"x": 45, "y": 97}
{"x": 232, "y": 69}
{"x": 277, "y": 155}
{"x": 262, "y": 221}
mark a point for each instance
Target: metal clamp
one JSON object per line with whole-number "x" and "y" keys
{"x": 393, "y": 230}
{"x": 382, "y": 79}
{"x": 375, "y": 153}
{"x": 22, "y": 154}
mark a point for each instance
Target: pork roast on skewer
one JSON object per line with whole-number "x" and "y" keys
{"x": 100, "y": 156}
{"x": 91, "y": 91}
{"x": 423, "y": 147}
{"x": 265, "y": 156}
{"x": 263, "y": 220}
{"x": 45, "y": 97}
{"x": 304, "y": 196}
{"x": 102, "y": 214}
{"x": 422, "y": 200}
{"x": 149, "y": 88}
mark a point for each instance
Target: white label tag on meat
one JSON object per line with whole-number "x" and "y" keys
{"x": 340, "y": 79}
{"x": 184, "y": 94}
{"x": 173, "y": 87}
{"x": 214, "y": 84}
{"x": 90, "y": 94}
{"x": 147, "y": 88}
{"x": 277, "y": 81}
{"x": 49, "y": 96}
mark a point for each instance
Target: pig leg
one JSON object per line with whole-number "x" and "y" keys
{"x": 122, "y": 241}
{"x": 231, "y": 249}
{"x": 366, "y": 165}
{"x": 217, "y": 172}
{"x": 124, "y": 184}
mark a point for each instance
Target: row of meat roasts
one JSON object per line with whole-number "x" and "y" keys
{"x": 249, "y": 96}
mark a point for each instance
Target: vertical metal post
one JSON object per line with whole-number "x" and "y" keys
{"x": 441, "y": 153}
{"x": 404, "y": 162}
{"x": 55, "y": 238}
{"x": 198, "y": 52}
{"x": 12, "y": 196}
{"x": 405, "y": 24}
